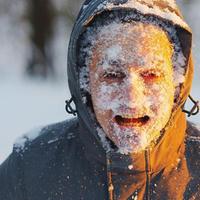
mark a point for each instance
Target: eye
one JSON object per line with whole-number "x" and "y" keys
{"x": 151, "y": 76}
{"x": 113, "y": 76}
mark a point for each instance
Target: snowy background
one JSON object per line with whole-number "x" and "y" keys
{"x": 27, "y": 103}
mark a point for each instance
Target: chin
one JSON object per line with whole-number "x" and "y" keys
{"x": 130, "y": 149}
{"x": 131, "y": 143}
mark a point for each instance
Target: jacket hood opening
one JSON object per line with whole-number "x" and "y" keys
{"x": 123, "y": 16}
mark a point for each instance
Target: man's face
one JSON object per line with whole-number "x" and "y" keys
{"x": 131, "y": 82}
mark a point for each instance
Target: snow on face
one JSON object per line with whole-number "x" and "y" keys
{"x": 131, "y": 83}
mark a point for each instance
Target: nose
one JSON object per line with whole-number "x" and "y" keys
{"x": 134, "y": 90}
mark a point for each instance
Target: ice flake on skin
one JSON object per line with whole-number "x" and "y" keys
{"x": 105, "y": 30}
{"x": 104, "y": 101}
{"x": 19, "y": 144}
{"x": 113, "y": 52}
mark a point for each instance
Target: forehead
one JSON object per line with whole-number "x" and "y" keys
{"x": 130, "y": 42}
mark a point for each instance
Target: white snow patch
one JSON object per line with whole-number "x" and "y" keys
{"x": 53, "y": 140}
{"x": 30, "y": 136}
{"x": 70, "y": 136}
{"x": 194, "y": 138}
{"x": 130, "y": 167}
{"x": 85, "y": 6}
{"x": 113, "y": 52}
{"x": 103, "y": 139}
{"x": 155, "y": 10}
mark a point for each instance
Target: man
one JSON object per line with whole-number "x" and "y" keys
{"x": 130, "y": 71}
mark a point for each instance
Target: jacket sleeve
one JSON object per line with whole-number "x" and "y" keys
{"x": 11, "y": 179}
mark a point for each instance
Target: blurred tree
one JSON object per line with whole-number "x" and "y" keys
{"x": 40, "y": 18}
{"x": 73, "y": 7}
{"x": 41, "y": 14}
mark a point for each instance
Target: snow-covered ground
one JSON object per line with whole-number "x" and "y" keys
{"x": 26, "y": 104}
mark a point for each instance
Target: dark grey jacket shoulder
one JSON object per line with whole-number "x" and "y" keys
{"x": 31, "y": 160}
{"x": 50, "y": 167}
{"x": 54, "y": 166}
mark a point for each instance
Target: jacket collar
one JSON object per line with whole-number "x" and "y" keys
{"x": 165, "y": 154}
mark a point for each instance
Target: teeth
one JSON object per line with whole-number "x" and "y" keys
{"x": 129, "y": 120}
{"x": 128, "y": 116}
{"x": 131, "y": 124}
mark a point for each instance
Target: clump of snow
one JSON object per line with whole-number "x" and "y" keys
{"x": 85, "y": 6}
{"x": 19, "y": 144}
{"x": 83, "y": 76}
{"x": 178, "y": 160}
{"x": 155, "y": 9}
{"x": 179, "y": 62}
{"x": 70, "y": 136}
{"x": 194, "y": 138}
{"x": 130, "y": 167}
{"x": 113, "y": 52}
{"x": 101, "y": 6}
{"x": 103, "y": 139}
{"x": 53, "y": 140}
{"x": 135, "y": 195}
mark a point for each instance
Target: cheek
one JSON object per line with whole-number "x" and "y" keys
{"x": 106, "y": 96}
{"x": 160, "y": 96}
{"x": 167, "y": 99}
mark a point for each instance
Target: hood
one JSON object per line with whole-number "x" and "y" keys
{"x": 173, "y": 137}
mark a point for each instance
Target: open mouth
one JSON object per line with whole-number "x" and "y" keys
{"x": 131, "y": 122}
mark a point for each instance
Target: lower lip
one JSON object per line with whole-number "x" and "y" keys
{"x": 131, "y": 125}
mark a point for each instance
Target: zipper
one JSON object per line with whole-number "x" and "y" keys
{"x": 110, "y": 186}
{"x": 109, "y": 179}
{"x": 148, "y": 175}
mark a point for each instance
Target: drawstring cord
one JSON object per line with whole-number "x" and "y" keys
{"x": 194, "y": 110}
{"x": 69, "y": 108}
